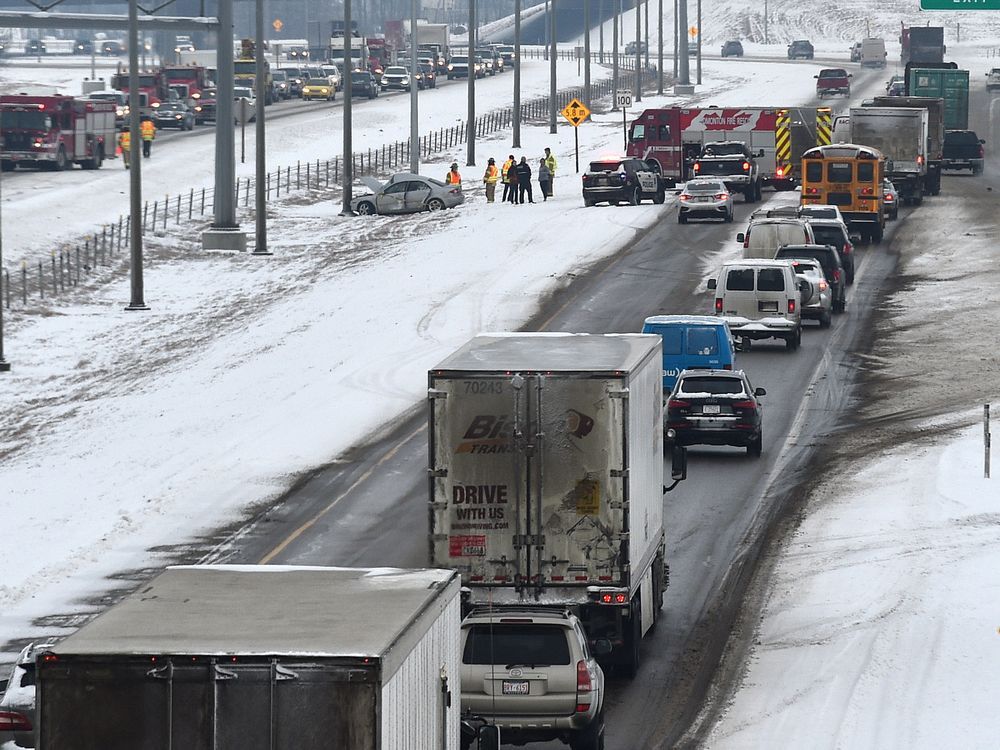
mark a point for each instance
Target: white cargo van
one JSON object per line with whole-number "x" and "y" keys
{"x": 764, "y": 236}
{"x": 761, "y": 299}
{"x": 873, "y": 53}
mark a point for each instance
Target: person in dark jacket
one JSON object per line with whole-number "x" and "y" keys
{"x": 544, "y": 178}
{"x": 512, "y": 181}
{"x": 524, "y": 180}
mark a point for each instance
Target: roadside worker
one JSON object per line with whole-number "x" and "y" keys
{"x": 512, "y": 178}
{"x": 125, "y": 143}
{"x": 490, "y": 177}
{"x": 453, "y": 177}
{"x": 524, "y": 180}
{"x": 148, "y": 131}
{"x": 544, "y": 178}
{"x": 550, "y": 162}
{"x": 505, "y": 171}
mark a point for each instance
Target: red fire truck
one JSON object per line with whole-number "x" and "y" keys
{"x": 187, "y": 81}
{"x": 151, "y": 88}
{"x": 379, "y": 55}
{"x": 673, "y": 137}
{"x": 53, "y": 132}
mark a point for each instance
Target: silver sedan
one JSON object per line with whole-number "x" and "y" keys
{"x": 819, "y": 304}
{"x": 406, "y": 193}
{"x": 705, "y": 198}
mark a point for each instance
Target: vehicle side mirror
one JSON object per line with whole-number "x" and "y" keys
{"x": 712, "y": 283}
{"x": 488, "y": 737}
{"x": 815, "y": 76}
{"x": 850, "y": 75}
{"x": 759, "y": 392}
{"x": 602, "y": 647}
{"x": 741, "y": 237}
{"x": 982, "y": 142}
{"x": 760, "y": 153}
{"x": 678, "y": 463}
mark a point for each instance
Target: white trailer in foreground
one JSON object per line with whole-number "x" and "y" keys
{"x": 546, "y": 477}
{"x": 228, "y": 657}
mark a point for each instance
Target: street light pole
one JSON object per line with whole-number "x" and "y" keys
{"x": 765, "y": 21}
{"x": 699, "y": 42}
{"x": 659, "y": 48}
{"x": 646, "y": 34}
{"x": 637, "y": 77}
{"x": 684, "y": 68}
{"x": 552, "y": 67}
{"x": 4, "y": 364}
{"x": 260, "y": 163}
{"x": 516, "y": 138}
{"x": 414, "y": 132}
{"x": 348, "y": 157}
{"x": 136, "y": 301}
{"x": 470, "y": 156}
{"x": 676, "y": 36}
{"x": 600, "y": 33}
{"x": 586, "y": 53}
{"x": 614, "y": 56}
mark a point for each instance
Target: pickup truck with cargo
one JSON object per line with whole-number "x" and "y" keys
{"x": 963, "y": 149}
{"x": 546, "y": 478}
{"x": 232, "y": 657}
{"x": 935, "y": 132}
{"x": 733, "y": 163}
{"x": 900, "y": 133}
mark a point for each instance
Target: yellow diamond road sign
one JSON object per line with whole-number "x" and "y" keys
{"x": 576, "y": 112}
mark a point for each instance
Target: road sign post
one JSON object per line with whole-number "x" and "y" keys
{"x": 576, "y": 112}
{"x": 623, "y": 99}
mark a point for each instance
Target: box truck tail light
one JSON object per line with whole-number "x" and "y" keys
{"x": 557, "y": 578}
{"x": 718, "y": 304}
{"x": 791, "y": 307}
{"x": 920, "y": 159}
{"x": 12, "y": 721}
{"x": 609, "y": 598}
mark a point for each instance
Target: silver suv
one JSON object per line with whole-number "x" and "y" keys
{"x": 530, "y": 672}
{"x": 17, "y": 702}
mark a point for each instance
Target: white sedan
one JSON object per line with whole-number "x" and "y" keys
{"x": 705, "y": 198}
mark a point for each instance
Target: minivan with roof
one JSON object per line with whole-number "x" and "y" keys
{"x": 764, "y": 236}
{"x": 691, "y": 341}
{"x": 761, "y": 299}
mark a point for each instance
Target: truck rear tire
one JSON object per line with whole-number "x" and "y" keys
{"x": 633, "y": 639}
{"x": 591, "y": 738}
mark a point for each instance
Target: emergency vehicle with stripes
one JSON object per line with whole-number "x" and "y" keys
{"x": 672, "y": 138}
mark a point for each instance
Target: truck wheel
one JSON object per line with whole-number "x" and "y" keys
{"x": 756, "y": 446}
{"x": 794, "y": 340}
{"x": 826, "y": 319}
{"x": 7, "y": 166}
{"x": 635, "y": 198}
{"x": 633, "y": 639}
{"x": 590, "y": 738}
{"x": 660, "y": 197}
{"x": 748, "y": 194}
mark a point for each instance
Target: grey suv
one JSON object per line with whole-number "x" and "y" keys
{"x": 17, "y": 702}
{"x": 531, "y": 672}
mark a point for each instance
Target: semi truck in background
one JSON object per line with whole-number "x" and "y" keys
{"x": 546, "y": 478}
{"x": 55, "y": 132}
{"x": 919, "y": 44}
{"x": 229, "y": 657}
{"x": 935, "y": 132}
{"x": 901, "y": 134}
{"x": 944, "y": 81}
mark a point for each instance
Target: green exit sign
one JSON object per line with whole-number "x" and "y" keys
{"x": 959, "y": 4}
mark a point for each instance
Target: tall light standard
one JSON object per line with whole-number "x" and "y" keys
{"x": 600, "y": 33}
{"x": 765, "y": 21}
{"x": 614, "y": 55}
{"x": 646, "y": 33}
{"x": 260, "y": 201}
{"x": 516, "y": 138}
{"x": 552, "y": 67}
{"x": 414, "y": 134}
{"x": 637, "y": 78}
{"x": 136, "y": 301}
{"x": 348, "y": 158}
{"x": 470, "y": 156}
{"x": 4, "y": 364}
{"x": 659, "y": 48}
{"x": 586, "y": 53}
{"x": 684, "y": 66}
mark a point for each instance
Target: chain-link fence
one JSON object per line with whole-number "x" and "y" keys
{"x": 66, "y": 267}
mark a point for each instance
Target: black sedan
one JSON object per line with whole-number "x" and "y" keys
{"x": 174, "y": 115}
{"x": 716, "y": 407}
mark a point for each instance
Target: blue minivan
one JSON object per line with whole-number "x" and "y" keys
{"x": 691, "y": 341}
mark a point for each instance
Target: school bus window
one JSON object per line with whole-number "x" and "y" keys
{"x": 866, "y": 171}
{"x": 814, "y": 171}
{"x": 838, "y": 172}
{"x": 638, "y": 132}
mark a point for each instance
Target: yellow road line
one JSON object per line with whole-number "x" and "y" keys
{"x": 363, "y": 478}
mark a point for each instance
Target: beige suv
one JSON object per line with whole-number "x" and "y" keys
{"x": 761, "y": 299}
{"x": 530, "y": 672}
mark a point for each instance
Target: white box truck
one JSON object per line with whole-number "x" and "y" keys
{"x": 226, "y": 657}
{"x": 901, "y": 134}
{"x": 546, "y": 477}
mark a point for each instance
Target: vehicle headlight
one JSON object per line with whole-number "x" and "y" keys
{"x": 451, "y": 67}
{"x": 155, "y": 105}
{"x": 326, "y": 91}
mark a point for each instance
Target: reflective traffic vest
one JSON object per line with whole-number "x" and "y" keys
{"x": 492, "y": 174}
{"x": 506, "y": 166}
{"x": 147, "y": 129}
{"x": 453, "y": 178}
{"x": 125, "y": 140}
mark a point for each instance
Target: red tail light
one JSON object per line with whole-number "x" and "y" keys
{"x": 836, "y": 275}
{"x": 982, "y": 152}
{"x": 720, "y": 196}
{"x": 697, "y": 166}
{"x": 746, "y": 166}
{"x": 678, "y": 404}
{"x": 586, "y": 177}
{"x": 848, "y": 248}
{"x": 745, "y": 405}
{"x": 727, "y": 367}
{"x": 888, "y": 198}
{"x": 718, "y": 304}
{"x": 791, "y": 307}
{"x": 583, "y": 681}
{"x": 778, "y": 172}
{"x": 12, "y": 721}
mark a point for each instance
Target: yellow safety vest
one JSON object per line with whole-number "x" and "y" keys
{"x": 506, "y": 167}
{"x": 148, "y": 130}
{"x": 492, "y": 174}
{"x": 125, "y": 140}
{"x": 453, "y": 178}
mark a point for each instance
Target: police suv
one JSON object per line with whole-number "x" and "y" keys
{"x": 622, "y": 180}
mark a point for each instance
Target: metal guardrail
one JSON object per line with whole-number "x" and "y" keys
{"x": 74, "y": 264}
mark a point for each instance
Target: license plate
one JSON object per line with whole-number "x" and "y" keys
{"x": 768, "y": 306}
{"x": 710, "y": 409}
{"x": 515, "y": 687}
{"x": 704, "y": 200}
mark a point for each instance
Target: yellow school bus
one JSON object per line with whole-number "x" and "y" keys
{"x": 850, "y": 177}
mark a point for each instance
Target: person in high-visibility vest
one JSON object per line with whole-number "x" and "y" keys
{"x": 505, "y": 172}
{"x": 453, "y": 177}
{"x": 148, "y": 131}
{"x": 125, "y": 143}
{"x": 490, "y": 177}
{"x": 550, "y": 162}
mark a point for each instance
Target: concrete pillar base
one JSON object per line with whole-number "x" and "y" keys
{"x": 683, "y": 89}
{"x": 224, "y": 239}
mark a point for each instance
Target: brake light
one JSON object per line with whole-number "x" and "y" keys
{"x": 836, "y": 275}
{"x": 982, "y": 152}
{"x": 586, "y": 177}
{"x": 888, "y": 198}
{"x": 779, "y": 172}
{"x": 848, "y": 248}
{"x": 745, "y": 405}
{"x": 685, "y": 197}
{"x": 718, "y": 304}
{"x": 823, "y": 286}
{"x": 12, "y": 721}
{"x": 812, "y": 191}
{"x": 584, "y": 684}
{"x": 866, "y": 191}
{"x": 697, "y": 167}
{"x": 920, "y": 159}
{"x": 727, "y": 367}
{"x": 720, "y": 196}
{"x": 791, "y": 307}
{"x": 674, "y": 403}
{"x": 746, "y": 166}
